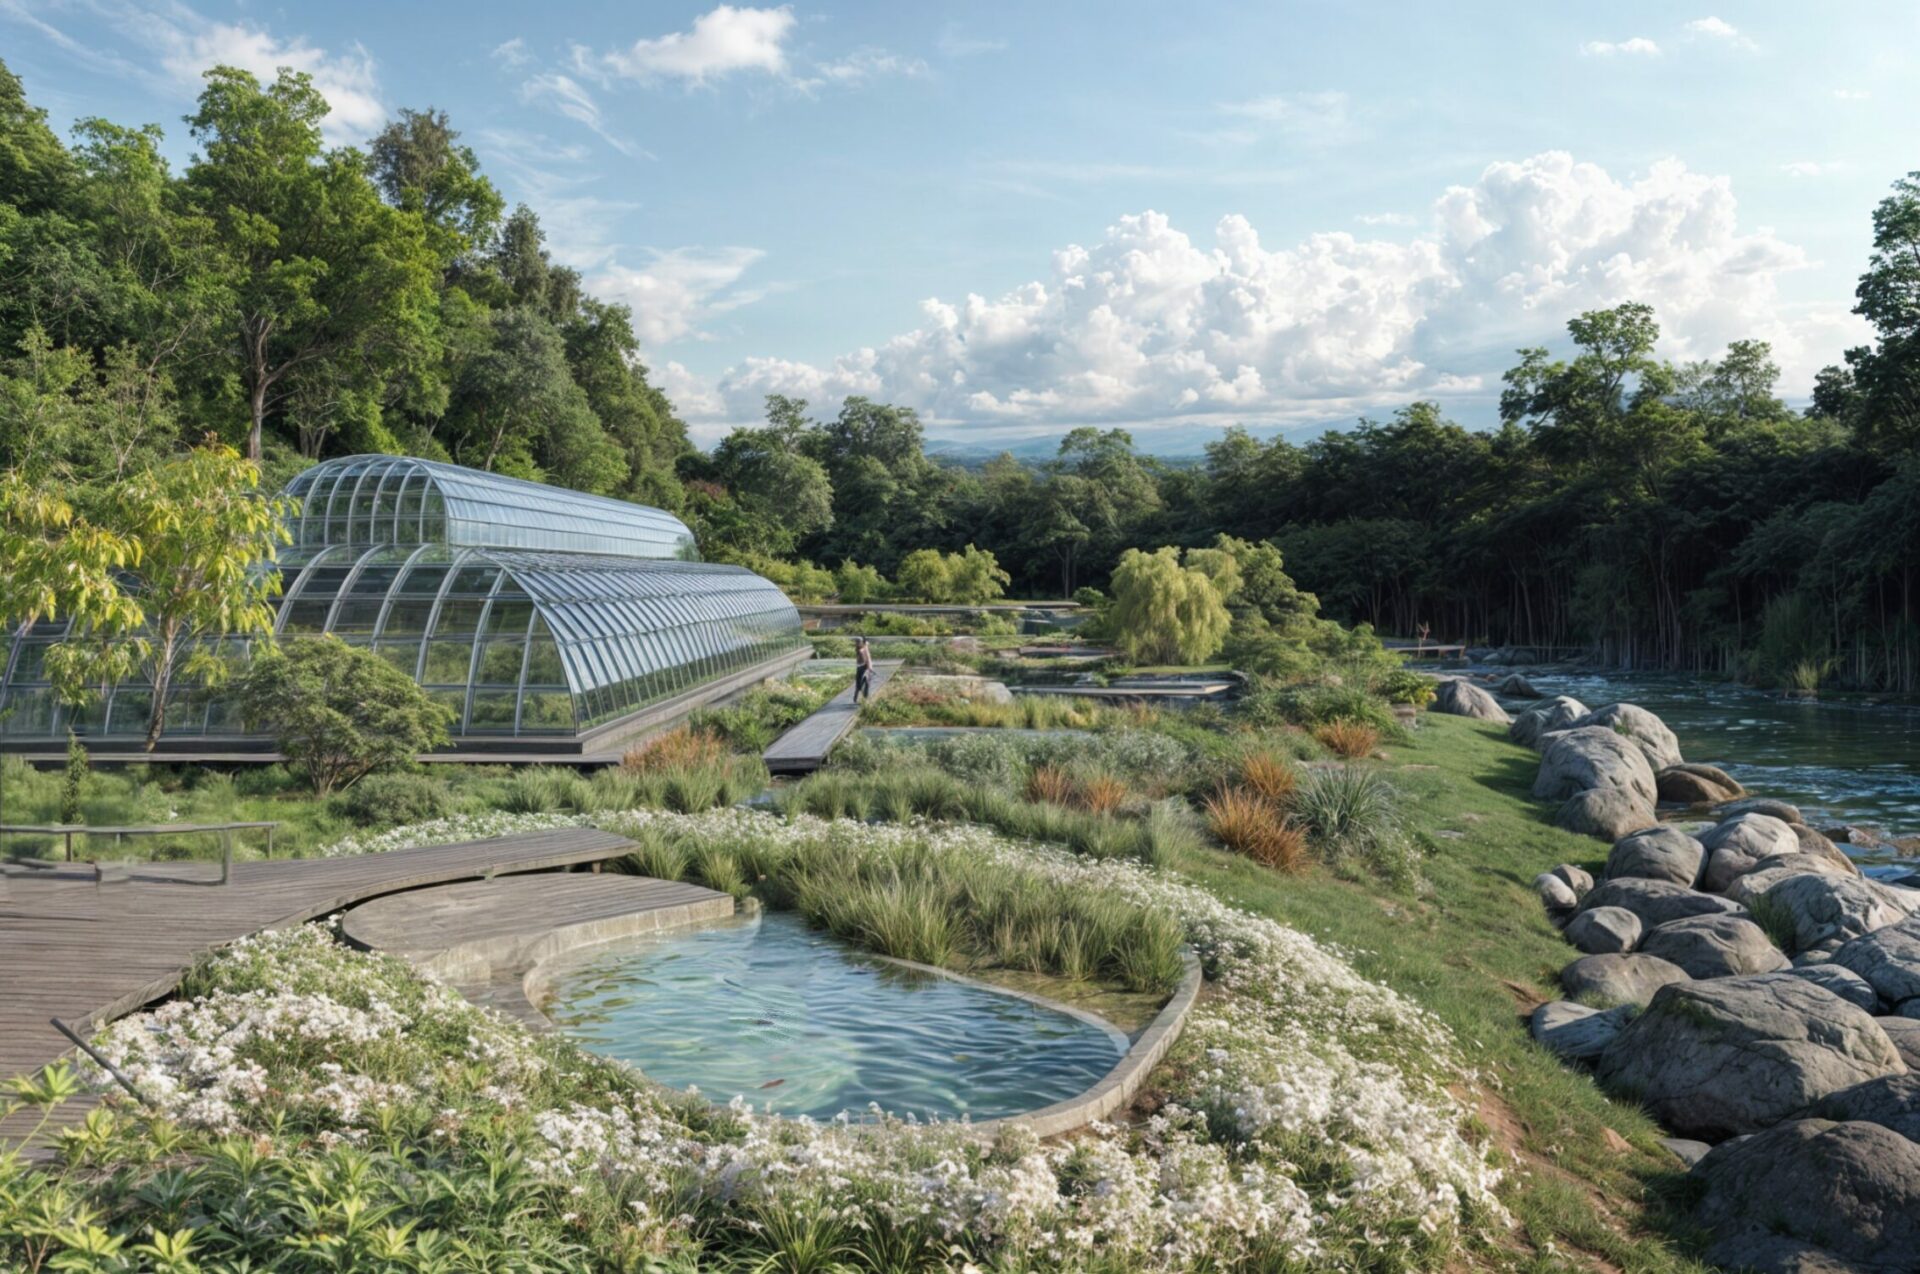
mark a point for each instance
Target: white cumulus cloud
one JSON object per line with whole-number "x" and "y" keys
{"x": 1637, "y": 46}
{"x": 1718, "y": 29}
{"x": 720, "y": 42}
{"x": 1148, "y": 325}
{"x": 190, "y": 45}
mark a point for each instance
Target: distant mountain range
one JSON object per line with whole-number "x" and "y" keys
{"x": 1173, "y": 443}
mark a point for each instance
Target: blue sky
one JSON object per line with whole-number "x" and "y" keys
{"x": 1024, "y": 217}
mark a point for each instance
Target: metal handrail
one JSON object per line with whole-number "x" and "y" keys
{"x": 69, "y": 830}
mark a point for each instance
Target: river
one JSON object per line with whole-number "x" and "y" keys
{"x": 1840, "y": 760}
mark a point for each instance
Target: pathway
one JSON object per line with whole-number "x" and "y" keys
{"x": 804, "y": 748}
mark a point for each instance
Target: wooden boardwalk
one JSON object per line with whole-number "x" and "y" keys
{"x": 803, "y": 749}
{"x": 88, "y": 953}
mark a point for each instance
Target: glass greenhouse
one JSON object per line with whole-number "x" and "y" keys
{"x": 529, "y": 610}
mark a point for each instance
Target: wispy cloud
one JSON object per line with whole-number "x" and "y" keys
{"x": 513, "y": 54}
{"x": 1852, "y": 94}
{"x": 1386, "y": 219}
{"x": 1308, "y": 113}
{"x": 1725, "y": 32}
{"x": 861, "y": 66}
{"x": 679, "y": 290}
{"x": 955, "y": 43}
{"x": 1636, "y": 46}
{"x": 570, "y": 98}
{"x": 1812, "y": 167}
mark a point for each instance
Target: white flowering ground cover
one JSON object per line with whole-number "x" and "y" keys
{"x": 1305, "y": 1121}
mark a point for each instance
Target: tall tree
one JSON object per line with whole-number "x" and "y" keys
{"x": 328, "y": 282}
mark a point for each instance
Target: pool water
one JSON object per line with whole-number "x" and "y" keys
{"x": 796, "y": 1022}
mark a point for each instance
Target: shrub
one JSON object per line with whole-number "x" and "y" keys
{"x": 1314, "y": 705}
{"x": 340, "y": 712}
{"x": 1348, "y": 739}
{"x": 1404, "y": 685}
{"x": 73, "y": 784}
{"x": 676, "y": 749}
{"x": 831, "y": 647}
{"x": 1247, "y": 824}
{"x": 1050, "y": 783}
{"x": 1101, "y": 794}
{"x": 396, "y": 798}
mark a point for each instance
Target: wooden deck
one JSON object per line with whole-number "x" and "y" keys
{"x": 803, "y": 749}
{"x": 88, "y": 953}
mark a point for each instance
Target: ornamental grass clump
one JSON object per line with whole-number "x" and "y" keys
{"x": 1352, "y": 816}
{"x": 1267, "y": 776}
{"x": 1349, "y": 740}
{"x": 675, "y": 750}
{"x": 1249, "y": 824}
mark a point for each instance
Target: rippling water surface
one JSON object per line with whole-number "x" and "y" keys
{"x": 1839, "y": 760}
{"x": 799, "y": 1024}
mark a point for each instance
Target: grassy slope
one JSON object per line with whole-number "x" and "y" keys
{"x": 1473, "y": 945}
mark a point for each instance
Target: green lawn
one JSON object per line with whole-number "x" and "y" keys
{"x": 1472, "y": 944}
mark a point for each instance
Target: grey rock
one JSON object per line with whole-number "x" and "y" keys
{"x": 1818, "y": 909}
{"x": 1592, "y": 757}
{"x": 1757, "y": 1253}
{"x": 1892, "y": 1101}
{"x": 1816, "y": 846}
{"x": 1692, "y": 783}
{"x": 1578, "y": 878}
{"x": 1575, "y": 1032}
{"x": 1515, "y": 686}
{"x": 1554, "y": 892}
{"x": 1905, "y": 1034}
{"x": 1557, "y": 713}
{"x": 1888, "y": 958}
{"x": 1750, "y": 886}
{"x": 1782, "y": 810}
{"x": 1735, "y": 845}
{"x": 1655, "y": 901}
{"x": 1458, "y": 697}
{"x": 1845, "y": 983}
{"x": 1849, "y": 1193}
{"x": 1855, "y": 835}
{"x": 1606, "y": 812}
{"x": 1657, "y": 853}
{"x": 1714, "y": 946}
{"x": 1686, "y": 1151}
{"x": 1642, "y": 727}
{"x": 1604, "y": 931}
{"x": 1619, "y": 979}
{"x": 1735, "y": 1055}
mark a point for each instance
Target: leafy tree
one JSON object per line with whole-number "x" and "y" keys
{"x": 73, "y": 783}
{"x": 782, "y": 494}
{"x": 419, "y": 167}
{"x": 57, "y": 566}
{"x": 328, "y": 283}
{"x": 204, "y": 533}
{"x": 340, "y": 712}
{"x": 975, "y": 576}
{"x": 854, "y": 583}
{"x": 925, "y": 575}
{"x": 515, "y": 405}
{"x": 1163, "y": 611}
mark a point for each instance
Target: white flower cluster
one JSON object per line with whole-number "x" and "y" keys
{"x": 446, "y": 831}
{"x": 1307, "y": 1110}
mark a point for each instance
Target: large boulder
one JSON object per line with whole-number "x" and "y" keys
{"x": 1575, "y": 1032}
{"x": 1606, "y": 812}
{"x": 1657, "y": 853}
{"x": 1578, "y": 878}
{"x": 1816, "y": 846}
{"x": 1655, "y": 901}
{"x": 1892, "y": 1101}
{"x": 1604, "y": 931}
{"x": 1905, "y": 1034}
{"x": 1781, "y": 810}
{"x": 1768, "y": 872}
{"x": 1888, "y": 958}
{"x": 1845, "y": 983}
{"x": 1815, "y": 1194}
{"x": 1810, "y": 909}
{"x": 1458, "y": 697}
{"x": 1735, "y": 1055}
{"x": 1557, "y": 713}
{"x": 1619, "y": 979}
{"x": 1642, "y": 727}
{"x": 1686, "y": 784}
{"x": 1715, "y": 946}
{"x": 1734, "y": 846}
{"x": 1591, "y": 757}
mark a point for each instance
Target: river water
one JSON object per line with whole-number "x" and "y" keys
{"x": 1839, "y": 760}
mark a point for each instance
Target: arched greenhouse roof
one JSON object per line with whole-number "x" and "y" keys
{"x": 376, "y": 499}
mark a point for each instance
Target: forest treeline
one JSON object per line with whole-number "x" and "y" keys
{"x": 299, "y": 301}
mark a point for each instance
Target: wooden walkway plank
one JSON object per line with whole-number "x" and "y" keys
{"x": 804, "y": 748}
{"x": 88, "y": 953}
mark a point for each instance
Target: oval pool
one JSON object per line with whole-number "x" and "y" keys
{"x": 798, "y": 1023}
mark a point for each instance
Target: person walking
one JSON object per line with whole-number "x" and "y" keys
{"x": 862, "y": 670}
